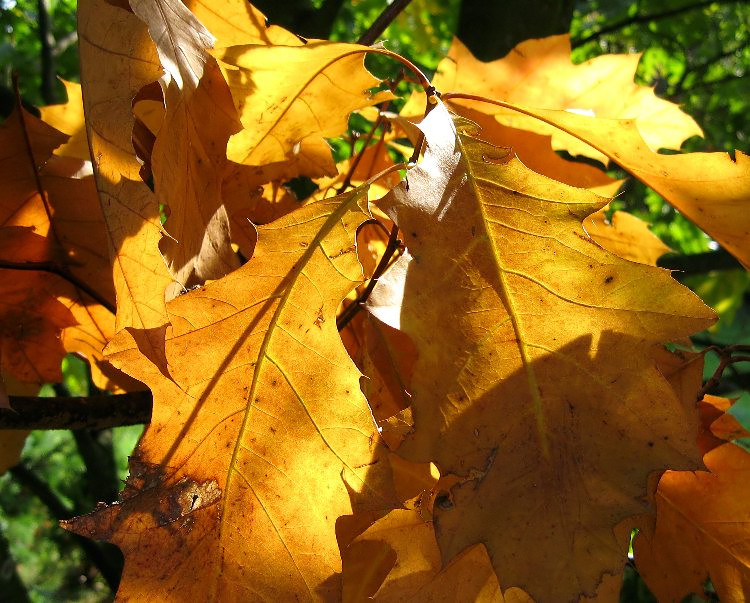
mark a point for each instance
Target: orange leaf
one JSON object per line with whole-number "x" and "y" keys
{"x": 702, "y": 529}
{"x": 539, "y": 73}
{"x": 290, "y": 97}
{"x": 261, "y": 439}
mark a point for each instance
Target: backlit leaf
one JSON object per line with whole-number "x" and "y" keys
{"x": 536, "y": 382}
{"x": 261, "y": 439}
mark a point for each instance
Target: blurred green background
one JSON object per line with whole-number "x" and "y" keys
{"x": 694, "y": 53}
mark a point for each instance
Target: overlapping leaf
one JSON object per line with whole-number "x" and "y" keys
{"x": 68, "y": 118}
{"x": 290, "y": 97}
{"x": 188, "y": 157}
{"x": 57, "y": 292}
{"x": 711, "y": 189}
{"x": 539, "y": 73}
{"x": 261, "y": 439}
{"x": 117, "y": 60}
{"x": 702, "y": 526}
{"x": 535, "y": 382}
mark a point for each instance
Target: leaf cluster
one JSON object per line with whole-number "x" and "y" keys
{"x": 461, "y": 376}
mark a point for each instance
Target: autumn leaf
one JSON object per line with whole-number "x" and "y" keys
{"x": 539, "y": 73}
{"x": 404, "y": 543}
{"x": 117, "y": 60}
{"x": 57, "y": 292}
{"x": 535, "y": 152}
{"x": 261, "y": 439}
{"x": 536, "y": 382}
{"x": 31, "y": 321}
{"x": 710, "y": 189}
{"x": 290, "y": 97}
{"x": 627, "y": 236}
{"x": 188, "y": 158}
{"x": 702, "y": 527}
{"x": 239, "y": 23}
{"x": 68, "y": 119}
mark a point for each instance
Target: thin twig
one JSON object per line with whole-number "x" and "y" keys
{"x": 726, "y": 359}
{"x": 358, "y": 157}
{"x": 382, "y": 22}
{"x": 352, "y": 309}
{"x": 90, "y": 412}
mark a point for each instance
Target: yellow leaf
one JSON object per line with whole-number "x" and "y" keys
{"x": 288, "y": 96}
{"x": 535, "y": 383}
{"x": 236, "y": 22}
{"x": 117, "y": 60}
{"x": 261, "y": 439}
{"x": 68, "y": 118}
{"x": 626, "y": 236}
{"x": 539, "y": 73}
{"x": 710, "y": 189}
{"x": 535, "y": 152}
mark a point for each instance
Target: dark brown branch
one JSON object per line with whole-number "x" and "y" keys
{"x": 382, "y": 22}
{"x": 727, "y": 358}
{"x": 93, "y": 412}
{"x": 646, "y": 19}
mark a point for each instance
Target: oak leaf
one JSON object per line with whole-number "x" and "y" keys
{"x": 52, "y": 237}
{"x": 238, "y": 22}
{"x": 626, "y": 236}
{"x": 710, "y": 189}
{"x": 701, "y": 530}
{"x": 188, "y": 158}
{"x": 539, "y": 73}
{"x": 535, "y": 383}
{"x": 117, "y": 60}
{"x": 291, "y": 97}
{"x": 261, "y": 439}
{"x": 68, "y": 119}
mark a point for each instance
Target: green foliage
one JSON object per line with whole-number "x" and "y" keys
{"x": 21, "y": 46}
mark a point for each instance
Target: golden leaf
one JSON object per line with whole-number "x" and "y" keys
{"x": 539, "y": 73}
{"x": 535, "y": 384}
{"x": 68, "y": 118}
{"x": 189, "y": 156}
{"x": 710, "y": 189}
{"x": 261, "y": 439}
{"x": 290, "y": 97}
{"x": 117, "y": 60}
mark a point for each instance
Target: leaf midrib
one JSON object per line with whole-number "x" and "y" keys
{"x": 508, "y": 301}
{"x": 262, "y": 355}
